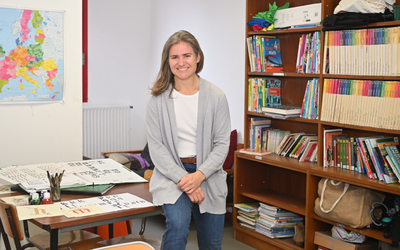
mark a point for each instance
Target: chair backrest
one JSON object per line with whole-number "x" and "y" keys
{"x": 135, "y": 245}
{"x": 10, "y": 221}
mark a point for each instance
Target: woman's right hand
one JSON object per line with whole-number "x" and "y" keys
{"x": 197, "y": 196}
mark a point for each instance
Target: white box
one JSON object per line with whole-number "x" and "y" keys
{"x": 306, "y": 14}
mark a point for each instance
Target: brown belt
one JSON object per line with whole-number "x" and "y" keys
{"x": 189, "y": 160}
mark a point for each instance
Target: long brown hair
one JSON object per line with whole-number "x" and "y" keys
{"x": 165, "y": 76}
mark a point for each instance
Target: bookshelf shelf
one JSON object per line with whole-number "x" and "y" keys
{"x": 286, "y": 182}
{"x": 288, "y": 202}
{"x": 263, "y": 242}
{"x": 286, "y": 74}
{"x": 372, "y": 233}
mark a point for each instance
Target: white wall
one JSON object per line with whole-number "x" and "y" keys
{"x": 126, "y": 40}
{"x": 40, "y": 133}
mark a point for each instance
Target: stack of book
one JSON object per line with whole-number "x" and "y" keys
{"x": 264, "y": 54}
{"x": 276, "y": 222}
{"x": 247, "y": 214}
{"x": 378, "y": 157}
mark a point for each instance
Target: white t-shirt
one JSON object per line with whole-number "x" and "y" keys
{"x": 186, "y": 107}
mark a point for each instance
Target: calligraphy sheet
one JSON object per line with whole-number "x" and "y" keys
{"x": 110, "y": 203}
{"x": 83, "y": 211}
{"x": 18, "y": 200}
{"x": 38, "y": 211}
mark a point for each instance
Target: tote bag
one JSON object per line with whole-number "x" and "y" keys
{"x": 344, "y": 203}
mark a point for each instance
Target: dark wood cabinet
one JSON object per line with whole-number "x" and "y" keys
{"x": 286, "y": 182}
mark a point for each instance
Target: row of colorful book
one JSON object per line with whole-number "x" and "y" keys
{"x": 276, "y": 222}
{"x": 361, "y": 102}
{"x": 378, "y": 157}
{"x": 299, "y": 146}
{"x": 264, "y": 54}
{"x": 263, "y": 139}
{"x": 263, "y": 92}
{"x": 308, "y": 54}
{"x": 310, "y": 106}
{"x": 371, "y": 52}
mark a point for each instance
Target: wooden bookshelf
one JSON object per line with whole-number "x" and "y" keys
{"x": 286, "y": 182}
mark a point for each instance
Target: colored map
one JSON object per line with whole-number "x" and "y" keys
{"x": 31, "y": 55}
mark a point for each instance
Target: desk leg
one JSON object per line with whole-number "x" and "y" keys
{"x": 54, "y": 239}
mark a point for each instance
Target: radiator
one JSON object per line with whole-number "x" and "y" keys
{"x": 105, "y": 129}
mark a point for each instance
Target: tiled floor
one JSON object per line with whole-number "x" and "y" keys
{"x": 155, "y": 226}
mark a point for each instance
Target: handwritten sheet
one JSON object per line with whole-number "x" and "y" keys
{"x": 18, "y": 200}
{"x": 38, "y": 211}
{"x": 6, "y": 189}
{"x": 78, "y": 173}
{"x": 110, "y": 203}
{"x": 83, "y": 211}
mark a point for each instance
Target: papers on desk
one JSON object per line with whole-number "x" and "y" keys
{"x": 110, "y": 203}
{"x": 6, "y": 189}
{"x": 78, "y": 173}
{"x": 77, "y": 208}
{"x": 38, "y": 211}
{"x": 18, "y": 200}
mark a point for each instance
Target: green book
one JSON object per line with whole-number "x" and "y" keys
{"x": 95, "y": 190}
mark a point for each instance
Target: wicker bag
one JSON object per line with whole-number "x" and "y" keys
{"x": 344, "y": 203}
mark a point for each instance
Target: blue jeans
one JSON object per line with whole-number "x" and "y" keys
{"x": 209, "y": 227}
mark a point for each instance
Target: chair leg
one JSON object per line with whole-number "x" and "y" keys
{"x": 5, "y": 237}
{"x": 143, "y": 226}
{"x": 110, "y": 231}
{"x": 128, "y": 227}
{"x": 13, "y": 229}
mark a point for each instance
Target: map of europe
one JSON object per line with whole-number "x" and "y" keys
{"x": 31, "y": 55}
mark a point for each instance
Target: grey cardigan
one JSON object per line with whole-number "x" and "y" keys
{"x": 213, "y": 137}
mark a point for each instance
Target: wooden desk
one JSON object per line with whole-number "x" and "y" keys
{"x": 59, "y": 224}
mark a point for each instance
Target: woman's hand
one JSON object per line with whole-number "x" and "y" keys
{"x": 190, "y": 182}
{"x": 197, "y": 196}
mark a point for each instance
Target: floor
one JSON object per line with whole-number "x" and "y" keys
{"x": 155, "y": 228}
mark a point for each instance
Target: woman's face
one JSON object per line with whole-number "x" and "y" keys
{"x": 183, "y": 61}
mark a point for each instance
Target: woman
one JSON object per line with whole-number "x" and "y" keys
{"x": 188, "y": 130}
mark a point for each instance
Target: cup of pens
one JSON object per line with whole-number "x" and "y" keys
{"x": 55, "y": 191}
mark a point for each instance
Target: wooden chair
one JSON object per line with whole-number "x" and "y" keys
{"x": 136, "y": 245}
{"x": 10, "y": 227}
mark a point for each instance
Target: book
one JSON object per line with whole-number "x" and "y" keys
{"x": 95, "y": 190}
{"x": 272, "y": 55}
{"x": 247, "y": 207}
{"x": 328, "y": 153}
{"x": 394, "y": 154}
{"x": 308, "y": 151}
{"x": 283, "y": 109}
{"x": 381, "y": 153}
{"x": 272, "y": 93}
{"x": 253, "y": 151}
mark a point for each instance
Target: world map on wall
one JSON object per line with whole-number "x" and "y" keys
{"x": 31, "y": 55}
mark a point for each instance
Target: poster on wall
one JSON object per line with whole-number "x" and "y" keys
{"x": 31, "y": 56}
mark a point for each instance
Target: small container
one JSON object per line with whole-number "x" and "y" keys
{"x": 42, "y": 195}
{"x": 46, "y": 199}
{"x": 35, "y": 199}
{"x": 31, "y": 196}
{"x": 55, "y": 193}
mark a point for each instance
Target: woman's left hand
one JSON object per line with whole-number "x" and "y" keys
{"x": 190, "y": 182}
{"x": 197, "y": 196}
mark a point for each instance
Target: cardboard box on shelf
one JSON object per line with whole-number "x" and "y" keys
{"x": 324, "y": 238}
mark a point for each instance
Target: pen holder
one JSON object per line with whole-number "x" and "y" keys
{"x": 55, "y": 193}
